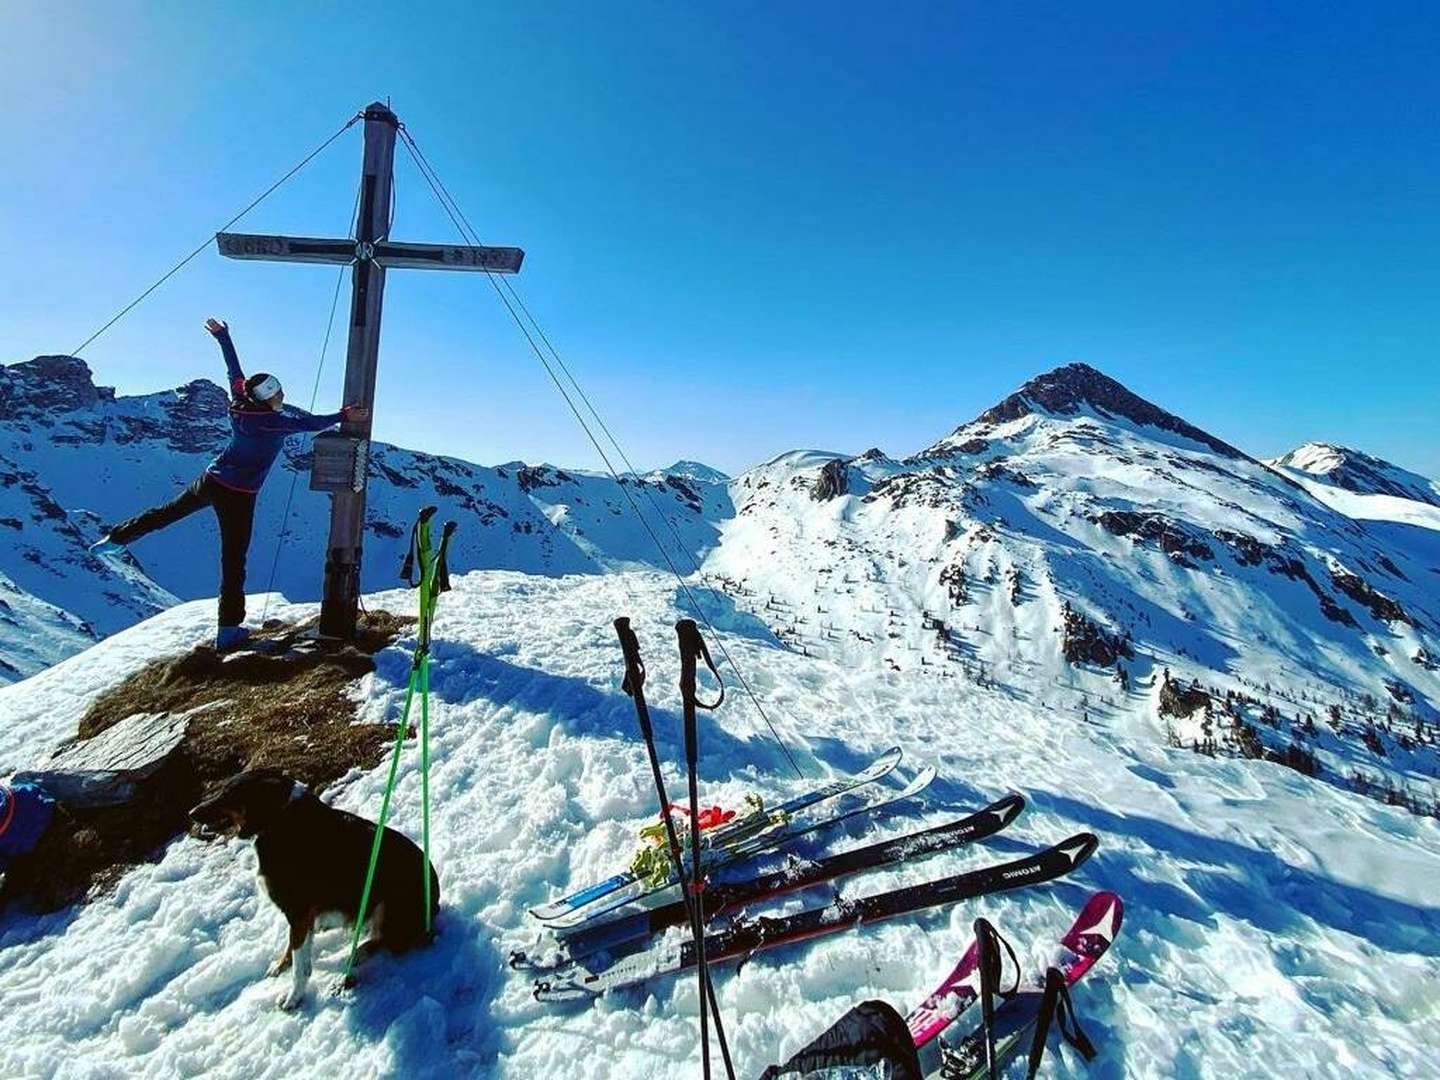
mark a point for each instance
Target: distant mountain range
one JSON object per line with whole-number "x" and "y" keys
{"x": 75, "y": 458}
{"x": 1072, "y": 519}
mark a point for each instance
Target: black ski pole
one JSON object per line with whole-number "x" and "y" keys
{"x": 634, "y": 685}
{"x": 692, "y": 647}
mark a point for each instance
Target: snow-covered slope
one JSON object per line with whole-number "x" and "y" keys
{"x": 1072, "y": 545}
{"x": 1205, "y": 558}
{"x": 34, "y": 634}
{"x": 1341, "y": 467}
{"x": 1274, "y": 926}
{"x": 74, "y": 458}
{"x": 1403, "y": 524}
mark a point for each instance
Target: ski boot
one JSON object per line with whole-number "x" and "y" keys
{"x": 229, "y": 638}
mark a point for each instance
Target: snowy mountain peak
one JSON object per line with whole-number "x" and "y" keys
{"x": 1358, "y": 472}
{"x": 47, "y": 385}
{"x": 1068, "y": 391}
{"x": 695, "y": 470}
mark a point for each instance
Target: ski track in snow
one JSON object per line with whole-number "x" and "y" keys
{"x": 1274, "y": 925}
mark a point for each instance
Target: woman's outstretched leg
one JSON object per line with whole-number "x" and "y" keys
{"x": 158, "y": 517}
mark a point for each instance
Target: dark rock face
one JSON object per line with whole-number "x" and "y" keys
{"x": 834, "y": 481}
{"x": 1247, "y": 550}
{"x": 1361, "y": 591}
{"x": 194, "y": 419}
{"x": 934, "y": 488}
{"x": 1398, "y": 690}
{"x": 1277, "y": 562}
{"x": 956, "y": 584}
{"x": 994, "y": 470}
{"x": 530, "y": 477}
{"x": 198, "y": 408}
{"x": 48, "y": 385}
{"x": 1181, "y": 701}
{"x": 1086, "y": 642}
{"x": 1065, "y": 390}
{"x": 1172, "y": 538}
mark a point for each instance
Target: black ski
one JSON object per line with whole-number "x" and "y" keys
{"x": 729, "y": 896}
{"x": 744, "y": 938}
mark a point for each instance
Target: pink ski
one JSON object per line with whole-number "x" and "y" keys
{"x": 1081, "y": 946}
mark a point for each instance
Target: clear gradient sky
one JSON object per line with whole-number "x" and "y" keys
{"x": 753, "y": 227}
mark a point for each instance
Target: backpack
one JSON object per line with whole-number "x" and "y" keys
{"x": 870, "y": 1042}
{"x": 25, "y": 813}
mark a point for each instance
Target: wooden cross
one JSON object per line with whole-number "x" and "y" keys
{"x": 369, "y": 255}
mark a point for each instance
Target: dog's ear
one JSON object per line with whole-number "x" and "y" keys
{"x": 266, "y": 774}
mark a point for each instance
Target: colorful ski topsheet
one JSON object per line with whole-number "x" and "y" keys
{"x": 731, "y": 895}
{"x": 746, "y": 937}
{"x": 1081, "y": 947}
{"x": 956, "y": 993}
{"x": 641, "y": 897}
{"x": 724, "y": 843}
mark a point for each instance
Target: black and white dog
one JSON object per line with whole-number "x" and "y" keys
{"x": 313, "y": 860}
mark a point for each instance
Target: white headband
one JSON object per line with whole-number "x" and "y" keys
{"x": 265, "y": 389}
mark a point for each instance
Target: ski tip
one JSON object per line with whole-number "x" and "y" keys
{"x": 922, "y": 780}
{"x": 889, "y": 759}
{"x": 1007, "y": 807}
{"x": 1100, "y": 917}
{"x": 1078, "y": 848}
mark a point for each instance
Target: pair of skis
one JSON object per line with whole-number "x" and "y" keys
{"x": 722, "y": 897}
{"x": 590, "y": 976}
{"x": 732, "y": 842}
{"x": 987, "y": 1048}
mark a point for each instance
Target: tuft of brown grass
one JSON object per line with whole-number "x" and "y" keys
{"x": 291, "y": 711}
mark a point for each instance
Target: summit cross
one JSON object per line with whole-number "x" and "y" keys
{"x": 369, "y": 255}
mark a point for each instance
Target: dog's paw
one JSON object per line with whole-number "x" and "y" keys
{"x": 278, "y": 967}
{"x": 289, "y": 1000}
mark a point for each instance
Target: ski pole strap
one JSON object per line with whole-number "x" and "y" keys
{"x": 630, "y": 648}
{"x": 1056, "y": 1005}
{"x": 991, "y": 967}
{"x": 419, "y": 549}
{"x": 692, "y": 646}
{"x": 442, "y": 559}
{"x": 407, "y": 568}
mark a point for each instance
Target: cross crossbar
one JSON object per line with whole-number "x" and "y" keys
{"x": 388, "y": 253}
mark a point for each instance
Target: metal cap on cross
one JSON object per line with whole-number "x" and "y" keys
{"x": 369, "y": 255}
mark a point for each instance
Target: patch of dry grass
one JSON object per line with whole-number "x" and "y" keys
{"x": 291, "y": 711}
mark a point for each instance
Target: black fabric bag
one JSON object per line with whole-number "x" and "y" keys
{"x": 870, "y": 1041}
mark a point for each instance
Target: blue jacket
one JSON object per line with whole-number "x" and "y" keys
{"x": 256, "y": 432}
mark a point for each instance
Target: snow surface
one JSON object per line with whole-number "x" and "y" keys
{"x": 1274, "y": 925}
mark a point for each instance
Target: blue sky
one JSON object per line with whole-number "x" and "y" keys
{"x": 753, "y": 227}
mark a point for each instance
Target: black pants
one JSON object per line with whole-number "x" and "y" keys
{"x": 235, "y": 511}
